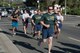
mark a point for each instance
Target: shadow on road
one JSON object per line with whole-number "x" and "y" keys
{"x": 24, "y": 35}
{"x": 5, "y": 32}
{"x": 55, "y": 51}
{"x": 17, "y": 30}
{"x": 28, "y": 35}
{"x": 26, "y": 45}
{"x": 18, "y": 33}
{"x": 21, "y": 33}
{"x": 75, "y": 50}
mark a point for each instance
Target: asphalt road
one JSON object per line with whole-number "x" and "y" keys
{"x": 68, "y": 42}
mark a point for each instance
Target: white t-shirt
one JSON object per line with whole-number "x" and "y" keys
{"x": 25, "y": 15}
{"x": 59, "y": 18}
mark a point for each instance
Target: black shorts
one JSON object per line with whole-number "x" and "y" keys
{"x": 25, "y": 23}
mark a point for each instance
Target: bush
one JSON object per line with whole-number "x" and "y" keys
{"x": 73, "y": 11}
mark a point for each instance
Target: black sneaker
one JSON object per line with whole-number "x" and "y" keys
{"x": 38, "y": 38}
{"x": 34, "y": 35}
{"x": 39, "y": 43}
{"x": 55, "y": 37}
{"x": 14, "y": 33}
{"x": 31, "y": 33}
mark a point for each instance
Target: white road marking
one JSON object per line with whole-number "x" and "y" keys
{"x": 74, "y": 39}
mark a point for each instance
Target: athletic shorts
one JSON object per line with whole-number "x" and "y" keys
{"x": 37, "y": 27}
{"x": 14, "y": 24}
{"x": 60, "y": 25}
{"x": 25, "y": 23}
{"x": 46, "y": 33}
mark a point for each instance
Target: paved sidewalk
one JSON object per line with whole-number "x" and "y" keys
{"x": 6, "y": 45}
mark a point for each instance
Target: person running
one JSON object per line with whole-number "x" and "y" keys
{"x": 25, "y": 17}
{"x": 36, "y": 22}
{"x": 15, "y": 19}
{"x": 47, "y": 20}
{"x": 56, "y": 7}
{"x": 33, "y": 13}
{"x": 60, "y": 21}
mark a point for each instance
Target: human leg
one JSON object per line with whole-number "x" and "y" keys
{"x": 44, "y": 37}
{"x": 50, "y": 44}
{"x": 24, "y": 27}
{"x": 39, "y": 27}
{"x": 14, "y": 25}
{"x": 59, "y": 30}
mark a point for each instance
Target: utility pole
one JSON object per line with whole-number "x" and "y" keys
{"x": 3, "y": 3}
{"x": 65, "y": 7}
{"x": 38, "y": 2}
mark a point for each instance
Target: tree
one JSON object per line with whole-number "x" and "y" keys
{"x": 30, "y": 3}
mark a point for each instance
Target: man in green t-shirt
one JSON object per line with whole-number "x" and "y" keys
{"x": 48, "y": 21}
{"x": 36, "y": 22}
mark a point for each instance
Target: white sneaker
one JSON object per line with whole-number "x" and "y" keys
{"x": 24, "y": 32}
{"x": 49, "y": 52}
{"x": 14, "y": 33}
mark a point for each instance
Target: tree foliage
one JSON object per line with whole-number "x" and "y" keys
{"x": 72, "y": 5}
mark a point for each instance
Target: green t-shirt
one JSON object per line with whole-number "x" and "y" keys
{"x": 36, "y": 18}
{"x": 49, "y": 19}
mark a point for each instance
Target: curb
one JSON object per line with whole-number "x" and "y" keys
{"x": 7, "y": 43}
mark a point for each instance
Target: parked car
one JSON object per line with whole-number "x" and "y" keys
{"x": 4, "y": 13}
{"x": 9, "y": 10}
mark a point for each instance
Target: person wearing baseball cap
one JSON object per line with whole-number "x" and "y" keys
{"x": 57, "y": 8}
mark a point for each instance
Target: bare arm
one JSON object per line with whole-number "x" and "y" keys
{"x": 11, "y": 17}
{"x": 32, "y": 22}
{"x": 14, "y": 18}
{"x": 45, "y": 24}
{"x": 62, "y": 19}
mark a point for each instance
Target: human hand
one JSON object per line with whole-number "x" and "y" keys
{"x": 47, "y": 26}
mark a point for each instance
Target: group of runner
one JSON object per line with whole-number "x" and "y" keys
{"x": 47, "y": 24}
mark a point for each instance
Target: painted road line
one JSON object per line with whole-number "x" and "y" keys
{"x": 74, "y": 39}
